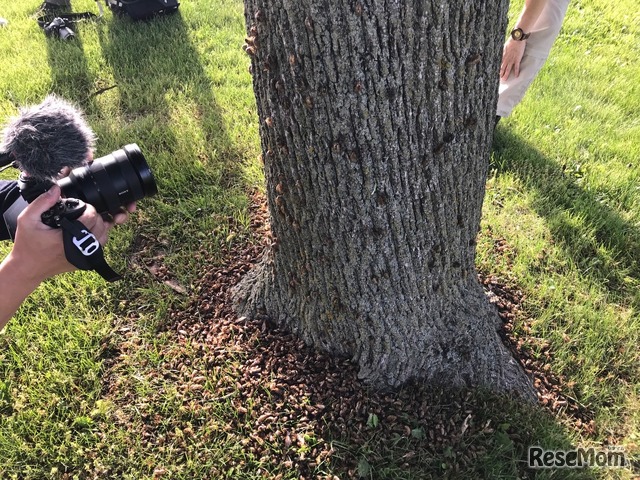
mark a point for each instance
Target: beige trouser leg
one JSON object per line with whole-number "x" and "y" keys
{"x": 543, "y": 35}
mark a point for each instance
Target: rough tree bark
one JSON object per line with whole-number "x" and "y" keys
{"x": 376, "y": 119}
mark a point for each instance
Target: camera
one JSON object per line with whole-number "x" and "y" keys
{"x": 58, "y": 28}
{"x": 108, "y": 183}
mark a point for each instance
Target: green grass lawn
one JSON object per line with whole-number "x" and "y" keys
{"x": 86, "y": 366}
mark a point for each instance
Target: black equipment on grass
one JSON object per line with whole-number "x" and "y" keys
{"x": 58, "y": 28}
{"x": 56, "y": 22}
{"x": 142, "y": 9}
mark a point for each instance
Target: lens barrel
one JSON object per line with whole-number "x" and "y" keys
{"x": 112, "y": 181}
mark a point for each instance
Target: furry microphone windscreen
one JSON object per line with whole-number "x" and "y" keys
{"x": 45, "y": 138}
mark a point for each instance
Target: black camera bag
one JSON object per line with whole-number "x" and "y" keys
{"x": 141, "y": 9}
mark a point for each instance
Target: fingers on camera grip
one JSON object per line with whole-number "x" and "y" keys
{"x": 69, "y": 208}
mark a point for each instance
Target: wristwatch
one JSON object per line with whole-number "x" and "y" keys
{"x": 519, "y": 35}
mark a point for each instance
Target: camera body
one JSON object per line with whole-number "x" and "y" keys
{"x": 69, "y": 208}
{"x": 108, "y": 183}
{"x": 58, "y": 28}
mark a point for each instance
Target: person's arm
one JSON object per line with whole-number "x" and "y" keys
{"x": 16, "y": 285}
{"x": 38, "y": 251}
{"x": 514, "y": 49}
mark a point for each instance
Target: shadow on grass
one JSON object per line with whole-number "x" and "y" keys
{"x": 71, "y": 77}
{"x": 157, "y": 94}
{"x": 597, "y": 239}
{"x": 156, "y": 66}
{"x": 166, "y": 102}
{"x": 69, "y": 71}
{"x": 154, "y": 63}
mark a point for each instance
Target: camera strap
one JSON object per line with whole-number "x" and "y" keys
{"x": 69, "y": 17}
{"x": 83, "y": 250}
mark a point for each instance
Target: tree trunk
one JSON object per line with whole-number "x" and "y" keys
{"x": 376, "y": 119}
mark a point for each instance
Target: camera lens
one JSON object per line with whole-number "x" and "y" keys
{"x": 66, "y": 33}
{"x": 112, "y": 181}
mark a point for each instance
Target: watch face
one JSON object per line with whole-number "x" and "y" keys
{"x": 517, "y": 34}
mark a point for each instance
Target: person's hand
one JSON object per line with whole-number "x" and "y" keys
{"x": 511, "y": 57}
{"x": 39, "y": 249}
